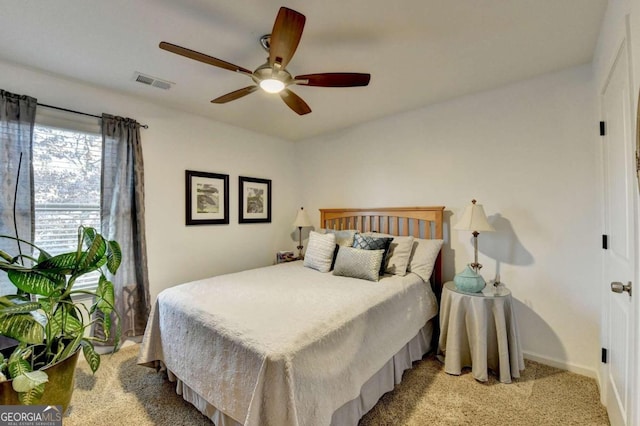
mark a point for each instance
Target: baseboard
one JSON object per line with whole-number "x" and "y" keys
{"x": 563, "y": 365}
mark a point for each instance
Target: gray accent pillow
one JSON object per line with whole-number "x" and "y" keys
{"x": 368, "y": 242}
{"x": 319, "y": 254}
{"x": 358, "y": 263}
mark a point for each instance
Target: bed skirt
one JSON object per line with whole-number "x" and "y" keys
{"x": 352, "y": 411}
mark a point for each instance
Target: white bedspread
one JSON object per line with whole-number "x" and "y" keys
{"x": 283, "y": 345}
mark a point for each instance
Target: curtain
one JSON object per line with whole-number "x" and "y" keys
{"x": 123, "y": 220}
{"x": 17, "y": 118}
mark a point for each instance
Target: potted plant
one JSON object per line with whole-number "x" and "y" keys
{"x": 48, "y": 324}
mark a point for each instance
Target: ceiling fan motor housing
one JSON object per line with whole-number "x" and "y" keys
{"x": 266, "y": 72}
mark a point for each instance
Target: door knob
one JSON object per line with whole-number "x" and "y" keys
{"x": 618, "y": 287}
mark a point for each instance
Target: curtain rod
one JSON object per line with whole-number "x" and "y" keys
{"x": 144, "y": 126}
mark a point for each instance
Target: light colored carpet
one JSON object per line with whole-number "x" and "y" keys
{"x": 123, "y": 393}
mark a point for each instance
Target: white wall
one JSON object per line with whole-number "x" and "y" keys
{"x": 528, "y": 153}
{"x": 175, "y": 142}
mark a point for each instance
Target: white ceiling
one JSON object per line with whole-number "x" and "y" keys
{"x": 418, "y": 52}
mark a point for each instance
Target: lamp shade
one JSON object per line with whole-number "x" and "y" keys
{"x": 474, "y": 219}
{"x": 302, "y": 220}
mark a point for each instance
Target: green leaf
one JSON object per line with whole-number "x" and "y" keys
{"x": 17, "y": 364}
{"x": 90, "y": 354}
{"x": 64, "y": 263}
{"x": 71, "y": 347}
{"x": 114, "y": 256}
{"x": 22, "y": 327}
{"x": 89, "y": 234}
{"x": 106, "y": 325}
{"x": 29, "y": 380}
{"x": 63, "y": 321}
{"x": 21, "y": 308}
{"x": 54, "y": 328}
{"x": 94, "y": 254}
{"x": 105, "y": 296}
{"x": 32, "y": 396}
{"x": 33, "y": 282}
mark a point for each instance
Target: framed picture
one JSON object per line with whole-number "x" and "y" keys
{"x": 255, "y": 200}
{"x": 207, "y": 201}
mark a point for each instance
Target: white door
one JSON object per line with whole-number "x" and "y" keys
{"x": 619, "y": 258}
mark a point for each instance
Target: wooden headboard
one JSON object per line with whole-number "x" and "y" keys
{"x": 421, "y": 222}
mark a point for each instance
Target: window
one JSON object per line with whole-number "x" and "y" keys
{"x": 66, "y": 179}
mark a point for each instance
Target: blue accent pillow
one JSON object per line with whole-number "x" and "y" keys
{"x": 367, "y": 242}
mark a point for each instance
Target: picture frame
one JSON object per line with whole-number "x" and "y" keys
{"x": 254, "y": 196}
{"x": 207, "y": 198}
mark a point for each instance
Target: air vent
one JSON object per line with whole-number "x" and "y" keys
{"x": 152, "y": 81}
{"x": 161, "y": 84}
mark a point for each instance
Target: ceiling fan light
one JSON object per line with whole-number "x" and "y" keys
{"x": 271, "y": 85}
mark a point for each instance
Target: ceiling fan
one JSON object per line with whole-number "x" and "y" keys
{"x": 272, "y": 76}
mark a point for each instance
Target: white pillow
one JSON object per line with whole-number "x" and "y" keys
{"x": 344, "y": 237}
{"x": 358, "y": 263}
{"x": 423, "y": 257}
{"x": 319, "y": 254}
{"x": 399, "y": 255}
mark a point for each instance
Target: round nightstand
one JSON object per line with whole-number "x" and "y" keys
{"x": 479, "y": 330}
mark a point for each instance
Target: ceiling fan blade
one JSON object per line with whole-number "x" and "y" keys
{"x": 295, "y": 102}
{"x": 285, "y": 36}
{"x": 335, "y": 79}
{"x": 237, "y": 94}
{"x": 192, "y": 54}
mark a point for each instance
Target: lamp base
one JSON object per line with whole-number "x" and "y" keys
{"x": 469, "y": 280}
{"x": 300, "y": 256}
{"x": 475, "y": 266}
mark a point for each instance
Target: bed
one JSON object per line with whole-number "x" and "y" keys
{"x": 290, "y": 345}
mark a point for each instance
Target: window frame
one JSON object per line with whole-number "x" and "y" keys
{"x": 51, "y": 118}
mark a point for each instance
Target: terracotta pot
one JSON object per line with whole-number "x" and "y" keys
{"x": 57, "y": 390}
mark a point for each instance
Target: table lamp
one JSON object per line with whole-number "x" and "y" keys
{"x": 302, "y": 221}
{"x": 473, "y": 219}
